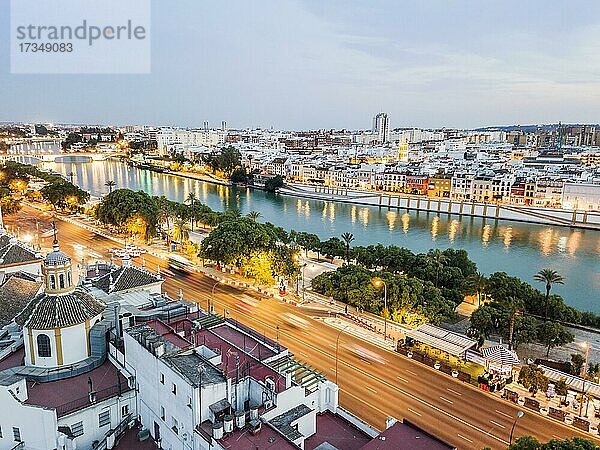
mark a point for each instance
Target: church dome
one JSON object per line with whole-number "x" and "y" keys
{"x": 59, "y": 311}
{"x": 56, "y": 257}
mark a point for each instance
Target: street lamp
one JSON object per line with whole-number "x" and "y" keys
{"x": 378, "y": 282}
{"x": 512, "y": 430}
{"x": 587, "y": 354}
{"x": 337, "y": 344}
{"x": 212, "y": 293}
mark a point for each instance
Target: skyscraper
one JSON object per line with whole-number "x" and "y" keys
{"x": 381, "y": 127}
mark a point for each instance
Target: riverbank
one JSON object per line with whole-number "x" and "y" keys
{"x": 530, "y": 214}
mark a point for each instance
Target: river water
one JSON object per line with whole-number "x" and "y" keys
{"x": 520, "y": 249}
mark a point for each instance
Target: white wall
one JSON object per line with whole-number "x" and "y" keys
{"x": 90, "y": 419}
{"x": 32, "y": 268}
{"x": 74, "y": 344}
{"x": 38, "y": 426}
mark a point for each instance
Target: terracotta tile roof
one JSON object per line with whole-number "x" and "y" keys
{"x": 126, "y": 278}
{"x": 58, "y": 311}
{"x": 15, "y": 294}
{"x": 15, "y": 252}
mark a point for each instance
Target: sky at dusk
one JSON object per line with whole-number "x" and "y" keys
{"x": 334, "y": 64}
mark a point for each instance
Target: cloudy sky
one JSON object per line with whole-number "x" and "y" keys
{"x": 333, "y": 64}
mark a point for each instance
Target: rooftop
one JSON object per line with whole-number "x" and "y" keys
{"x": 71, "y": 394}
{"x": 404, "y": 435}
{"x": 129, "y": 441}
{"x": 267, "y": 439}
{"x": 13, "y": 252}
{"x": 336, "y": 431}
{"x": 232, "y": 355}
{"x": 16, "y": 292}
{"x": 125, "y": 278}
{"x": 47, "y": 311}
{"x": 283, "y": 422}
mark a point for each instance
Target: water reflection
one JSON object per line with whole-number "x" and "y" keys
{"x": 518, "y": 248}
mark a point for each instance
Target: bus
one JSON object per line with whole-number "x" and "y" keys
{"x": 180, "y": 264}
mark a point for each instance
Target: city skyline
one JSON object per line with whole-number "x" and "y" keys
{"x": 302, "y": 65}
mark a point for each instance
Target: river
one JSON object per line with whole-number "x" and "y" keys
{"x": 520, "y": 249}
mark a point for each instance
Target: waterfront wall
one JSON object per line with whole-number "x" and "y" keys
{"x": 547, "y": 216}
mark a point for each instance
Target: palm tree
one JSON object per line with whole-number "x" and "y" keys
{"x": 181, "y": 231}
{"x": 478, "y": 283}
{"x": 549, "y": 277}
{"x": 347, "y": 238}
{"x": 513, "y": 306}
{"x": 191, "y": 198}
{"x": 254, "y": 215}
{"x": 439, "y": 259}
{"x": 110, "y": 185}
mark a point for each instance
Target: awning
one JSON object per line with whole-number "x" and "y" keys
{"x": 500, "y": 355}
{"x": 573, "y": 382}
{"x": 447, "y": 341}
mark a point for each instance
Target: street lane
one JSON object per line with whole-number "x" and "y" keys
{"x": 458, "y": 413}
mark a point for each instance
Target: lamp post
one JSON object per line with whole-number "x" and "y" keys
{"x": 378, "y": 282}
{"x": 337, "y": 344}
{"x": 212, "y": 293}
{"x": 587, "y": 354}
{"x": 512, "y": 430}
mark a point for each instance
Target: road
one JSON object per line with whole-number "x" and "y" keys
{"x": 400, "y": 387}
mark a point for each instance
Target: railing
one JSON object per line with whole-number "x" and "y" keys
{"x": 19, "y": 446}
{"x": 117, "y": 431}
{"x": 81, "y": 402}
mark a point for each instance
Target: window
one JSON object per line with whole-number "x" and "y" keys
{"x": 52, "y": 282}
{"x": 175, "y": 426}
{"x": 17, "y": 434}
{"x": 162, "y": 378}
{"x": 61, "y": 281}
{"x": 124, "y": 410}
{"x": 174, "y": 390}
{"x": 69, "y": 280}
{"x": 1, "y": 433}
{"x": 162, "y": 413}
{"x": 77, "y": 429}
{"x": 104, "y": 418}
{"x": 43, "y": 344}
{"x": 189, "y": 402}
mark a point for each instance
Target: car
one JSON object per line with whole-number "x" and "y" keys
{"x": 295, "y": 321}
{"x": 366, "y": 354}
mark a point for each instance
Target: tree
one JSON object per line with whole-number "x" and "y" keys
{"x": 239, "y": 175}
{"x": 332, "y": 248}
{"x": 347, "y": 238}
{"x": 308, "y": 241}
{"x": 61, "y": 194}
{"x": 532, "y": 377}
{"x": 482, "y": 323}
{"x": 254, "y": 215}
{"x": 553, "y": 334}
{"x": 577, "y": 362}
{"x": 549, "y": 277}
{"x": 574, "y": 443}
{"x": 234, "y": 240}
{"x": 513, "y": 307}
{"x": 192, "y": 199}
{"x": 526, "y": 443}
{"x": 439, "y": 259}
{"x": 274, "y": 183}
{"x": 476, "y": 283}
{"x": 110, "y": 184}
{"x": 121, "y": 205}
{"x": 181, "y": 231}
{"x": 561, "y": 387}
